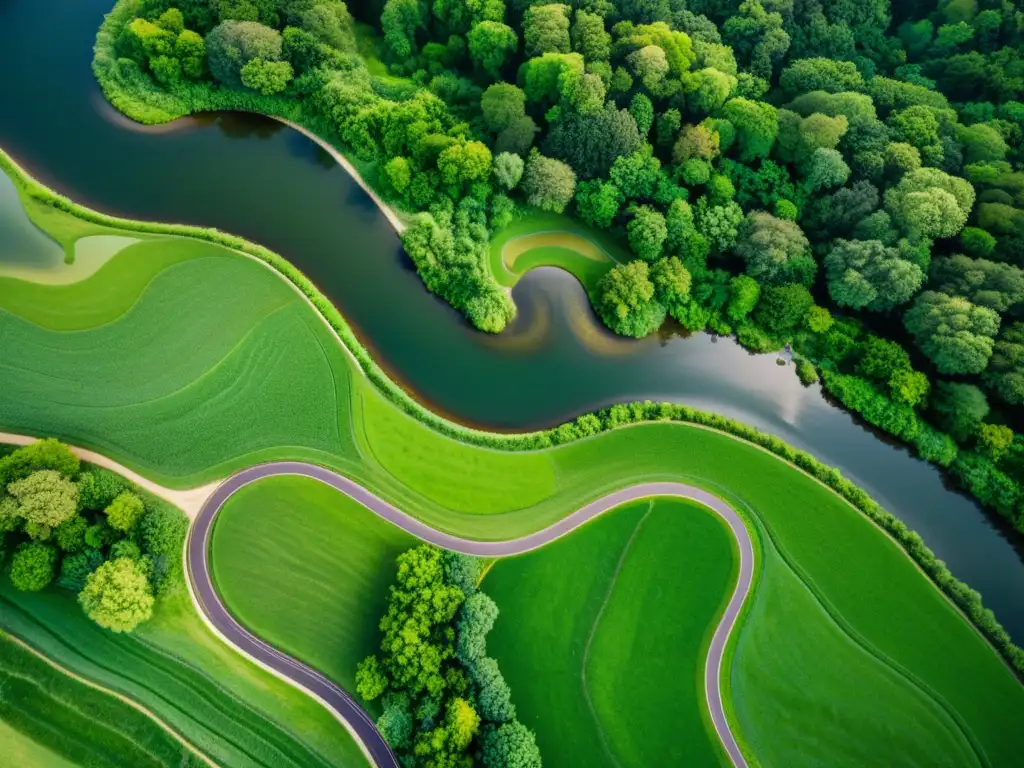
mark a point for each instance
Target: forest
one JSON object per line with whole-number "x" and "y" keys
{"x": 841, "y": 177}
{"x": 88, "y": 531}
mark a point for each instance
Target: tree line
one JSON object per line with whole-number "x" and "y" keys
{"x": 445, "y": 701}
{"x": 842, "y": 177}
{"x": 89, "y": 532}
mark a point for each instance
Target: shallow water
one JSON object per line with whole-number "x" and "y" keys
{"x": 251, "y": 176}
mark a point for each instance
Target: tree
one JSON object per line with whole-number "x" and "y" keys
{"x": 671, "y": 281}
{"x": 642, "y": 111}
{"x": 637, "y": 174}
{"x": 501, "y": 105}
{"x": 647, "y": 233}
{"x": 707, "y": 90}
{"x": 756, "y": 124}
{"x": 547, "y": 183}
{"x": 718, "y": 224}
{"x": 33, "y": 566}
{"x": 371, "y": 681}
{"x": 1005, "y": 372}
{"x": 396, "y": 722}
{"x": 541, "y": 75}
{"x": 546, "y": 29}
{"x": 597, "y": 202}
{"x": 74, "y": 569}
{"x": 775, "y": 250}
{"x": 45, "y": 499}
{"x": 881, "y": 359}
{"x": 508, "y": 169}
{"x": 819, "y": 319}
{"x": 42, "y": 454}
{"x": 929, "y": 203}
{"x": 491, "y": 45}
{"x": 267, "y": 77}
{"x": 744, "y": 293}
{"x": 958, "y": 408}
{"x": 589, "y": 36}
{"x": 757, "y": 37}
{"x": 584, "y": 93}
{"x": 125, "y": 511}
{"x": 476, "y": 618}
{"x": 867, "y": 274}
{"x": 511, "y": 745}
{"x": 695, "y": 141}
{"x": 955, "y": 334}
{"x": 464, "y": 163}
{"x": 398, "y": 173}
{"x": 986, "y": 283}
{"x": 591, "y": 143}
{"x": 909, "y": 388}
{"x": 783, "y": 307}
{"x": 820, "y": 74}
{"x": 493, "y": 694}
{"x": 517, "y": 137}
{"x": 117, "y": 595}
{"x": 233, "y": 44}
{"x": 993, "y": 440}
{"x": 143, "y": 40}
{"x": 626, "y": 300}
{"x": 70, "y": 535}
{"x": 400, "y": 20}
{"x": 826, "y": 168}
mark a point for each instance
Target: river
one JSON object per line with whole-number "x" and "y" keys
{"x": 253, "y": 177}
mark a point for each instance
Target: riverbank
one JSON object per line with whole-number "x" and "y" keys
{"x": 575, "y": 432}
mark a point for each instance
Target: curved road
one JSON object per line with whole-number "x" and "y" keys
{"x": 337, "y": 698}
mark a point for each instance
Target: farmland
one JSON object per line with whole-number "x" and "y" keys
{"x": 258, "y": 375}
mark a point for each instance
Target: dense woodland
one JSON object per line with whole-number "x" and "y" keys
{"x": 842, "y": 176}
{"x": 89, "y": 532}
{"x": 444, "y": 699}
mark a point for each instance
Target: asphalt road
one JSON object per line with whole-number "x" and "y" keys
{"x": 337, "y": 698}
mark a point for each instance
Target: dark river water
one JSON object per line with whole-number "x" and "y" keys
{"x": 249, "y": 176}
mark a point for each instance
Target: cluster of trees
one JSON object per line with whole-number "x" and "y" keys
{"x": 445, "y": 702}
{"x": 88, "y": 532}
{"x": 825, "y": 174}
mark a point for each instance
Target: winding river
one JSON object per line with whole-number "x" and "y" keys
{"x": 251, "y": 176}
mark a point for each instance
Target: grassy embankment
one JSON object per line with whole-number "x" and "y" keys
{"x": 259, "y": 376}
{"x": 542, "y": 239}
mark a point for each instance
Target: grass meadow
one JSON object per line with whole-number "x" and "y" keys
{"x": 609, "y": 627}
{"x": 585, "y": 253}
{"x": 213, "y": 362}
{"x": 231, "y": 710}
{"x": 79, "y": 724}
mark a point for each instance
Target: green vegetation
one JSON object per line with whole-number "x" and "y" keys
{"x": 620, "y": 637}
{"x": 92, "y": 528}
{"x": 869, "y": 153}
{"x": 881, "y": 601}
{"x": 231, "y": 710}
{"x": 444, "y": 698}
{"x": 539, "y": 239}
{"x": 81, "y": 724}
{"x": 331, "y": 629}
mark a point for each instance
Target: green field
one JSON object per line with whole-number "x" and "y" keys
{"x": 541, "y": 239}
{"x": 334, "y": 628}
{"x": 80, "y": 724}
{"x": 258, "y": 376}
{"x": 618, "y": 639}
{"x": 231, "y": 710}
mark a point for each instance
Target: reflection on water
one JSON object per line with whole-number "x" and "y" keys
{"x": 25, "y": 246}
